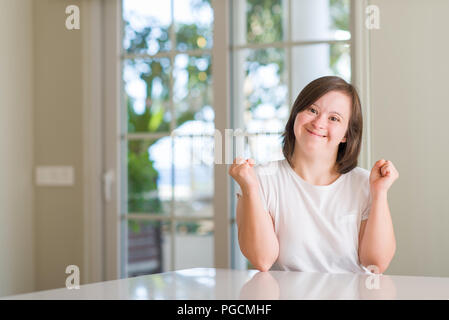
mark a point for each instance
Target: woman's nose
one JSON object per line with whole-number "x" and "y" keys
{"x": 319, "y": 121}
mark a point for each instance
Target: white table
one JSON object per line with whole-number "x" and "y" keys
{"x": 225, "y": 284}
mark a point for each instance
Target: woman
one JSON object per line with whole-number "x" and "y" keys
{"x": 316, "y": 211}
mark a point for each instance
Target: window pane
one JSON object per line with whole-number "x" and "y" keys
{"x": 320, "y": 20}
{"x": 148, "y": 250}
{"x": 261, "y": 89}
{"x": 149, "y": 176}
{"x": 259, "y": 21}
{"x": 194, "y": 245}
{"x": 192, "y": 92}
{"x": 193, "y": 21}
{"x": 146, "y": 84}
{"x": 194, "y": 175}
{"x": 313, "y": 61}
{"x": 146, "y": 26}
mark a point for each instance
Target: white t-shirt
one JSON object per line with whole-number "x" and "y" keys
{"x": 317, "y": 226}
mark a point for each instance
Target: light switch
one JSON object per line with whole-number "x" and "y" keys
{"x": 58, "y": 176}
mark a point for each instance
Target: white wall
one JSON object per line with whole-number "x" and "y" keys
{"x": 410, "y": 112}
{"x": 16, "y": 145}
{"x": 58, "y": 137}
{"x": 41, "y": 228}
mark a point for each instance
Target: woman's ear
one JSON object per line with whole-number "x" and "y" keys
{"x": 343, "y": 140}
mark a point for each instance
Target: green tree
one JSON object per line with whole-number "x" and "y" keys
{"x": 339, "y": 10}
{"x": 264, "y": 25}
{"x": 142, "y": 176}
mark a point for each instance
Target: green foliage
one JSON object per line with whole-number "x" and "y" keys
{"x": 151, "y": 120}
{"x": 142, "y": 176}
{"x": 156, "y": 118}
{"x": 188, "y": 34}
{"x": 339, "y": 10}
{"x": 336, "y": 51}
{"x": 142, "y": 179}
{"x": 264, "y": 21}
{"x": 140, "y": 40}
{"x": 264, "y": 25}
{"x": 185, "y": 116}
{"x": 188, "y": 227}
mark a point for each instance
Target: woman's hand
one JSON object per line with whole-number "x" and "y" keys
{"x": 242, "y": 171}
{"x": 382, "y": 176}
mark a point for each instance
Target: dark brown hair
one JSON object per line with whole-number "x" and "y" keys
{"x": 348, "y": 151}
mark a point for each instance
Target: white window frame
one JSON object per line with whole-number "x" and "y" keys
{"x": 93, "y": 245}
{"x": 101, "y": 91}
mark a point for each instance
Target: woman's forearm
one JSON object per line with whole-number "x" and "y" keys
{"x": 378, "y": 244}
{"x": 257, "y": 239}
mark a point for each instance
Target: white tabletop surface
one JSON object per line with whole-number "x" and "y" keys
{"x": 225, "y": 284}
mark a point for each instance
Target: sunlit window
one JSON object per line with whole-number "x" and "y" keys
{"x": 167, "y": 89}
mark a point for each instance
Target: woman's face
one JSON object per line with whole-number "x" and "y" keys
{"x": 322, "y": 126}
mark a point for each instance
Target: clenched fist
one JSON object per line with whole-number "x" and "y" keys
{"x": 243, "y": 173}
{"x": 382, "y": 176}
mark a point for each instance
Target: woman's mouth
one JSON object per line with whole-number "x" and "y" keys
{"x": 315, "y": 134}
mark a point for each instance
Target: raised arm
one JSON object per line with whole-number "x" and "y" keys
{"x": 377, "y": 244}
{"x": 257, "y": 239}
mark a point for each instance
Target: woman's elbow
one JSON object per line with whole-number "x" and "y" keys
{"x": 263, "y": 267}
{"x": 265, "y": 264}
{"x": 375, "y": 267}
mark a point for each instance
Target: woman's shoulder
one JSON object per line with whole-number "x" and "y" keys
{"x": 359, "y": 171}
{"x": 359, "y": 174}
{"x": 270, "y": 168}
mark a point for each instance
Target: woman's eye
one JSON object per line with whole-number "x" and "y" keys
{"x": 315, "y": 111}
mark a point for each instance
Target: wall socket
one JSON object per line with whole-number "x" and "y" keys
{"x": 55, "y": 176}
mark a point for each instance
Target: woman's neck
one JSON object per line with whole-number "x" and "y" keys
{"x": 315, "y": 170}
